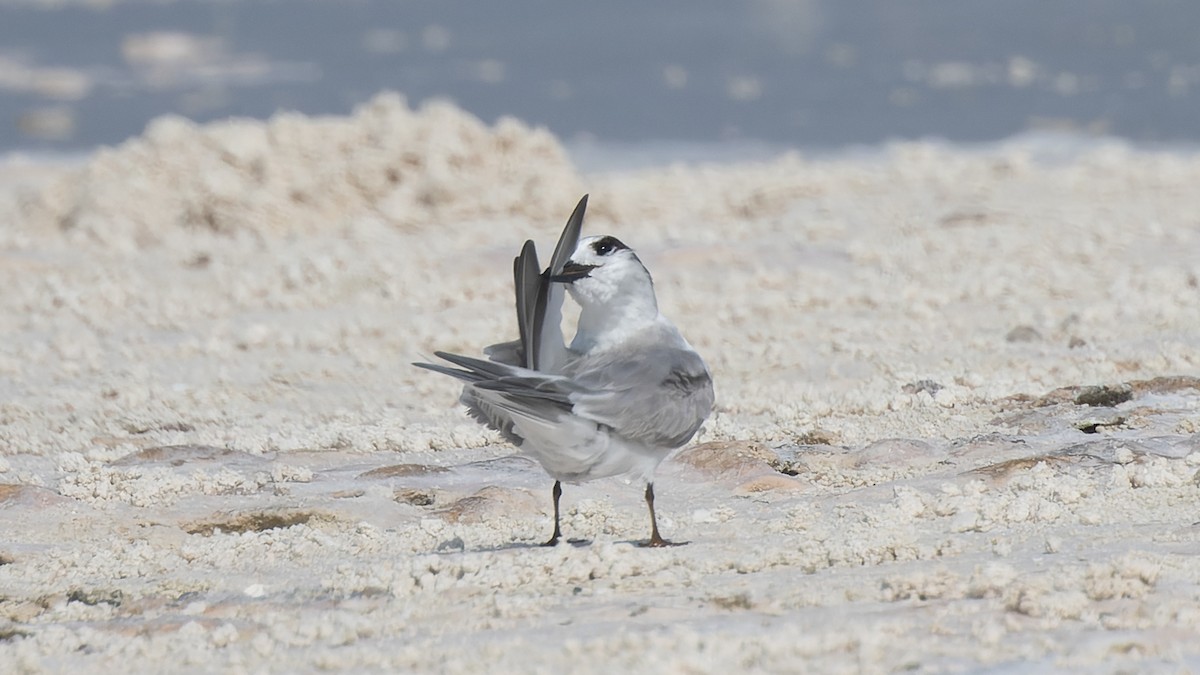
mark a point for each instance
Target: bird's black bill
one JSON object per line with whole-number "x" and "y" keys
{"x": 572, "y": 271}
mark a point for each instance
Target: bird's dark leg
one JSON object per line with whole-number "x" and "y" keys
{"x": 656, "y": 540}
{"x": 557, "y": 493}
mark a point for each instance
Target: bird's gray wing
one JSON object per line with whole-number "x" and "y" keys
{"x": 512, "y": 353}
{"x": 505, "y": 379}
{"x": 527, "y": 283}
{"x": 539, "y": 303}
{"x": 549, "y": 349}
{"x": 657, "y": 395}
{"x": 539, "y": 345}
{"x": 495, "y": 392}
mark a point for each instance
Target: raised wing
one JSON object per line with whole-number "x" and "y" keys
{"x": 517, "y": 380}
{"x": 550, "y": 351}
{"x": 539, "y": 304}
{"x": 527, "y": 283}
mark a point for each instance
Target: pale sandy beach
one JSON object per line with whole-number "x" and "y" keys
{"x": 957, "y": 423}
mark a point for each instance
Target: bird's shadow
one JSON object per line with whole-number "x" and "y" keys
{"x": 645, "y": 543}
{"x": 457, "y": 547}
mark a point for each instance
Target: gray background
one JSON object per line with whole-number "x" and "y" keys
{"x": 809, "y": 74}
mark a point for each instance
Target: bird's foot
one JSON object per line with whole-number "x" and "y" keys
{"x": 659, "y": 542}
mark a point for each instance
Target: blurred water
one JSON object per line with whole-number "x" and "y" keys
{"x": 802, "y": 73}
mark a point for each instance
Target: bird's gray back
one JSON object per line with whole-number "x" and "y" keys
{"x": 653, "y": 390}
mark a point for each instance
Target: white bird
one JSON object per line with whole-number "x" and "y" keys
{"x": 627, "y": 391}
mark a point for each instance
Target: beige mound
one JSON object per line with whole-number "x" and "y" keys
{"x": 293, "y": 174}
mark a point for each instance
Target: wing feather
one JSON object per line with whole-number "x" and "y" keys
{"x": 551, "y": 350}
{"x": 527, "y": 284}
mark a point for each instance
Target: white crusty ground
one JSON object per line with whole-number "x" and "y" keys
{"x": 206, "y": 343}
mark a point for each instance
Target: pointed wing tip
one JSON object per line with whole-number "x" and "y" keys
{"x": 569, "y": 237}
{"x": 426, "y": 364}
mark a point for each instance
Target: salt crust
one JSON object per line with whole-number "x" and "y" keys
{"x": 207, "y": 332}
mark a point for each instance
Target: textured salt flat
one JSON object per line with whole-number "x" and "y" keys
{"x": 957, "y": 422}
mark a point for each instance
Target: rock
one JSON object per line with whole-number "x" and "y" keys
{"x": 729, "y": 459}
{"x": 255, "y": 521}
{"x": 1023, "y": 333}
{"x": 28, "y": 495}
{"x": 770, "y": 482}
{"x": 1104, "y": 396}
{"x": 398, "y": 470}
{"x": 490, "y": 502}
{"x": 922, "y": 385}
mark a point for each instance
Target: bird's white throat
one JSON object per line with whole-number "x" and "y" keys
{"x": 603, "y": 323}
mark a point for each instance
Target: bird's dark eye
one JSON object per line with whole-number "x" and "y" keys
{"x": 606, "y": 245}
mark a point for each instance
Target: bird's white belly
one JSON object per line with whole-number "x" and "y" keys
{"x": 596, "y": 455}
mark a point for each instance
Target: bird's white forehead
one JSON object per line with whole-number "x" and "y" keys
{"x": 584, "y": 250}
